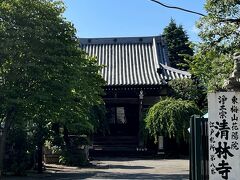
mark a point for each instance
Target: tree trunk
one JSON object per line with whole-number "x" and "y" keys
{"x": 2, "y": 150}
{"x": 40, "y": 141}
{"x": 66, "y": 138}
{"x": 7, "y": 125}
{"x": 67, "y": 144}
{"x": 40, "y": 156}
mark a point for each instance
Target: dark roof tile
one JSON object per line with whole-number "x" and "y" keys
{"x": 132, "y": 61}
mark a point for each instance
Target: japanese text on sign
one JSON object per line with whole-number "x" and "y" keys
{"x": 224, "y": 135}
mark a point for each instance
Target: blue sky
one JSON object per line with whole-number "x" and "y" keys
{"x": 127, "y": 18}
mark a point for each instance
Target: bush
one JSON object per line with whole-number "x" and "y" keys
{"x": 19, "y": 153}
{"x": 170, "y": 118}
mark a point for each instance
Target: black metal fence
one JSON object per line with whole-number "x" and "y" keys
{"x": 198, "y": 148}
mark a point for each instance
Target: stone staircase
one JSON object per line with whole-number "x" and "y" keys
{"x": 114, "y": 145}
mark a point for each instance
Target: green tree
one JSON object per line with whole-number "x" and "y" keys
{"x": 184, "y": 89}
{"x": 188, "y": 89}
{"x": 178, "y": 45}
{"x": 219, "y": 29}
{"x": 46, "y": 77}
{"x": 211, "y": 68}
{"x": 170, "y": 118}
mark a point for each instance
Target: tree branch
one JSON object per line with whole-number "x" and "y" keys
{"x": 178, "y": 8}
{"x": 237, "y": 21}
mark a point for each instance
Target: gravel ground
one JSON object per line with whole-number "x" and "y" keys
{"x": 116, "y": 168}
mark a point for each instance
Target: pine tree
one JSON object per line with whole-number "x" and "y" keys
{"x": 178, "y": 45}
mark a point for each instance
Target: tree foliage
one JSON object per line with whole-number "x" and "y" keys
{"x": 211, "y": 68}
{"x": 47, "y": 78}
{"x": 184, "y": 89}
{"x": 188, "y": 89}
{"x": 220, "y": 28}
{"x": 170, "y": 118}
{"x": 178, "y": 45}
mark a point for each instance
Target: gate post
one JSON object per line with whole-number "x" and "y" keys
{"x": 195, "y": 155}
{"x": 198, "y": 147}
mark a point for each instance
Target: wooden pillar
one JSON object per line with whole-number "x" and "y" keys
{"x": 140, "y": 126}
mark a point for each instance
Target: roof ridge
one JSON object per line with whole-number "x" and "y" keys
{"x": 120, "y": 40}
{"x": 122, "y": 37}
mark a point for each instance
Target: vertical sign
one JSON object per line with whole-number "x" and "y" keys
{"x": 223, "y": 131}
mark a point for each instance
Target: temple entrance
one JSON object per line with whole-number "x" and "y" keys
{"x": 121, "y": 138}
{"x": 123, "y": 120}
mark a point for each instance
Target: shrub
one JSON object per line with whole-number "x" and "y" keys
{"x": 170, "y": 118}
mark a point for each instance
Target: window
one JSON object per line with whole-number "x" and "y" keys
{"x": 117, "y": 115}
{"x": 121, "y": 118}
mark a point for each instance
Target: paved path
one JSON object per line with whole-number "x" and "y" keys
{"x": 122, "y": 168}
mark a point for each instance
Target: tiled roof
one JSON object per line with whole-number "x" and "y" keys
{"x": 132, "y": 61}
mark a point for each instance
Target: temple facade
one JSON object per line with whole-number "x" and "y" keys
{"x": 137, "y": 71}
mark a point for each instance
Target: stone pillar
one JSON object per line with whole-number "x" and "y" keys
{"x": 233, "y": 82}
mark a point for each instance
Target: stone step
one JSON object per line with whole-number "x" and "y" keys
{"x": 98, "y": 138}
{"x": 115, "y": 140}
{"x": 115, "y": 148}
